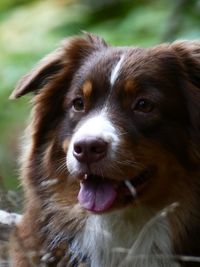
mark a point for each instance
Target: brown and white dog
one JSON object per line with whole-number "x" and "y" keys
{"x": 111, "y": 159}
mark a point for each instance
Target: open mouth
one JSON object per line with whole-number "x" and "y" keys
{"x": 99, "y": 194}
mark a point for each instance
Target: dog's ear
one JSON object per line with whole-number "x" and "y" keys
{"x": 188, "y": 53}
{"x": 97, "y": 41}
{"x": 34, "y": 80}
{"x": 70, "y": 54}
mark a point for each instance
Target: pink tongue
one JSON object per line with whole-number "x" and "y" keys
{"x": 96, "y": 196}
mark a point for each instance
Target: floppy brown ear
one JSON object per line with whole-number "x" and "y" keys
{"x": 34, "y": 80}
{"x": 72, "y": 51}
{"x": 189, "y": 55}
{"x": 97, "y": 41}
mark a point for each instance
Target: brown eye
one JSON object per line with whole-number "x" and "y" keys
{"x": 78, "y": 104}
{"x": 144, "y": 105}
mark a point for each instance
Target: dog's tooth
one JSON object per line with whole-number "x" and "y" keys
{"x": 85, "y": 177}
{"x": 131, "y": 188}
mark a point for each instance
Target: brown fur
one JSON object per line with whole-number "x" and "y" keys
{"x": 171, "y": 144}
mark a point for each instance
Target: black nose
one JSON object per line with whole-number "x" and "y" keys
{"x": 90, "y": 149}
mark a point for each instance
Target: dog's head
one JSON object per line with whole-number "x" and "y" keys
{"x": 123, "y": 122}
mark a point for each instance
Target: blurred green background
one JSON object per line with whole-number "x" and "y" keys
{"x": 30, "y": 29}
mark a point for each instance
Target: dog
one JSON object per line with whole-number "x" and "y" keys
{"x": 111, "y": 156}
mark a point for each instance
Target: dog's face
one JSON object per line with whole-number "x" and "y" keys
{"x": 120, "y": 120}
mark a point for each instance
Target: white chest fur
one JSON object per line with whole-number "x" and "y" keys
{"x": 126, "y": 239}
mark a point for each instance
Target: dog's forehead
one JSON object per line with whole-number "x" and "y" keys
{"x": 114, "y": 63}
{"x": 126, "y": 70}
{"x": 122, "y": 64}
{"x": 105, "y": 69}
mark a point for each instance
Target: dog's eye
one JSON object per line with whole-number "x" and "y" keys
{"x": 78, "y": 104}
{"x": 144, "y": 105}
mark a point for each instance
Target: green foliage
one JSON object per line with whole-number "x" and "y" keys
{"x": 30, "y": 29}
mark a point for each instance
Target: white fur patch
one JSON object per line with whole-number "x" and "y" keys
{"x": 134, "y": 237}
{"x": 115, "y": 72}
{"x": 50, "y": 182}
{"x": 97, "y": 126}
{"x": 9, "y": 218}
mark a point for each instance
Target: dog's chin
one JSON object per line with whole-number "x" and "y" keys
{"x": 102, "y": 194}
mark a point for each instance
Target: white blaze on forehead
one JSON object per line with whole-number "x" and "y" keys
{"x": 115, "y": 72}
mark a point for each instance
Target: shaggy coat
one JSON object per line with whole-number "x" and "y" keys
{"x": 111, "y": 157}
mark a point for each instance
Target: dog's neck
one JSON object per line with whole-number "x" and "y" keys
{"x": 128, "y": 238}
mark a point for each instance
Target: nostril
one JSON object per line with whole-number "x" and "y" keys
{"x": 99, "y": 147}
{"x": 78, "y": 148}
{"x": 90, "y": 149}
